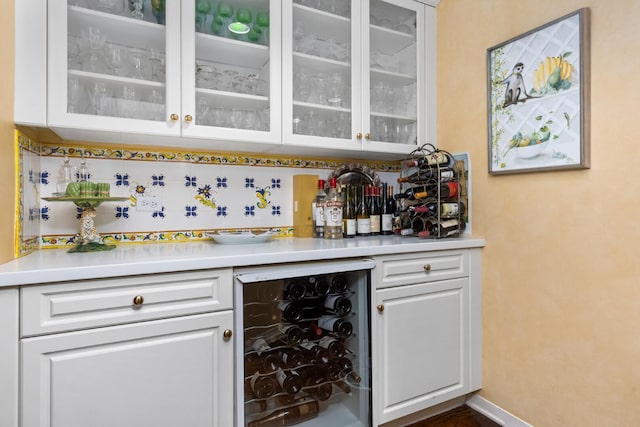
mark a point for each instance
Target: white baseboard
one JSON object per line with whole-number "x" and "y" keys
{"x": 494, "y": 412}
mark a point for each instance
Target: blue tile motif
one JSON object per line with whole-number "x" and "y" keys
{"x": 191, "y": 211}
{"x": 34, "y": 214}
{"x": 122, "y": 212}
{"x": 157, "y": 180}
{"x": 158, "y": 214}
{"x": 43, "y": 178}
{"x": 222, "y": 211}
{"x": 275, "y": 182}
{"x": 190, "y": 181}
{"x": 31, "y": 179}
{"x": 205, "y": 191}
{"x": 275, "y": 210}
{"x": 221, "y": 182}
{"x": 249, "y": 211}
{"x": 44, "y": 213}
{"x": 122, "y": 179}
{"x": 249, "y": 183}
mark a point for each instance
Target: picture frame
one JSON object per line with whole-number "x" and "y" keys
{"x": 538, "y": 98}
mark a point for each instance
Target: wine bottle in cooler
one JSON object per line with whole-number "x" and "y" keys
{"x": 333, "y": 212}
{"x": 334, "y": 346}
{"x": 290, "y": 381}
{"x": 315, "y": 382}
{"x": 314, "y": 352}
{"x": 343, "y": 328}
{"x": 290, "y": 415}
{"x": 339, "y": 284}
{"x": 317, "y": 207}
{"x": 337, "y": 304}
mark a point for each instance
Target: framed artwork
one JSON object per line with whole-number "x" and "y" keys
{"x": 538, "y": 98}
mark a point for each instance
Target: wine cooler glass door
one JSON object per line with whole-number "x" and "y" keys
{"x": 303, "y": 350}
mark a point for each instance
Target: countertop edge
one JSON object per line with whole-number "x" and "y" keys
{"x": 56, "y": 265}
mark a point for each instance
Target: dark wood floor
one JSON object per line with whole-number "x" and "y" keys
{"x": 462, "y": 416}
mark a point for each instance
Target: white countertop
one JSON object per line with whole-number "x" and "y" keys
{"x": 54, "y": 265}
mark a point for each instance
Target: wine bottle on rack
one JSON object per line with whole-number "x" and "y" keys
{"x": 317, "y": 286}
{"x": 336, "y": 324}
{"x": 446, "y": 228}
{"x": 291, "y": 311}
{"x": 447, "y": 209}
{"x": 428, "y": 174}
{"x": 290, "y": 415}
{"x": 363, "y": 220}
{"x": 295, "y": 289}
{"x": 337, "y": 304}
{"x": 339, "y": 284}
{"x": 289, "y": 380}
{"x": 315, "y": 382}
{"x": 386, "y": 212}
{"x": 375, "y": 216}
{"x": 314, "y": 351}
{"x": 349, "y": 214}
{"x": 261, "y": 386}
{"x": 412, "y": 193}
{"x": 435, "y": 158}
{"x": 334, "y": 346}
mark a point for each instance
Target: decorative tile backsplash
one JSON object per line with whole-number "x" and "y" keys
{"x": 172, "y": 196}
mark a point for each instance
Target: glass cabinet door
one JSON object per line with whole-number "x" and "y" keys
{"x": 110, "y": 65}
{"x": 396, "y": 73}
{"x": 231, "y": 69}
{"x": 320, "y": 62}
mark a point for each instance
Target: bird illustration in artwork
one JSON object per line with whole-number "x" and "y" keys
{"x": 515, "y": 87}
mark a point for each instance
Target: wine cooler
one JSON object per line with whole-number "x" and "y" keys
{"x": 303, "y": 353}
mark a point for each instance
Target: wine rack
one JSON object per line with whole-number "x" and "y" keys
{"x": 300, "y": 347}
{"x": 432, "y": 200}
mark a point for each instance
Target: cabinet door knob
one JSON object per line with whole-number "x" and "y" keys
{"x": 174, "y": 117}
{"x": 138, "y": 300}
{"x": 359, "y": 135}
{"x": 427, "y": 267}
{"x": 380, "y": 308}
{"x": 227, "y": 334}
{"x": 188, "y": 118}
{"x": 367, "y": 136}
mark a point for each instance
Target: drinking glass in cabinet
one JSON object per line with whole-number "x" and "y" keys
{"x": 101, "y": 99}
{"x": 96, "y": 38}
{"x": 137, "y": 8}
{"x": 77, "y": 96}
{"x": 138, "y": 59}
{"x": 202, "y": 10}
{"x": 74, "y": 50}
{"x": 225, "y": 12}
{"x": 115, "y": 58}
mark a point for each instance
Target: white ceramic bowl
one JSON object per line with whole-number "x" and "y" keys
{"x": 530, "y": 151}
{"x": 241, "y": 237}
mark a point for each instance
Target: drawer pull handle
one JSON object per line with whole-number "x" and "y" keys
{"x": 138, "y": 300}
{"x": 427, "y": 267}
{"x": 227, "y": 334}
{"x": 380, "y": 308}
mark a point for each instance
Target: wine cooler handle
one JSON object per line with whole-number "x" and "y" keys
{"x": 427, "y": 267}
{"x": 380, "y": 308}
{"x": 227, "y": 334}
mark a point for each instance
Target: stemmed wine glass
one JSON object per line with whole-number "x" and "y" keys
{"x": 96, "y": 38}
{"x": 202, "y": 9}
{"x": 262, "y": 22}
{"x": 225, "y": 12}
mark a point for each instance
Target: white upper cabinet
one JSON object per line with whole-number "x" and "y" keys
{"x": 165, "y": 69}
{"x": 327, "y": 76}
{"x": 355, "y": 74}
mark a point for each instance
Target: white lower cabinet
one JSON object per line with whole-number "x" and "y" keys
{"x": 9, "y": 357}
{"x": 426, "y": 323}
{"x": 164, "y": 372}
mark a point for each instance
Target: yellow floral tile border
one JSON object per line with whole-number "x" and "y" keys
{"x": 218, "y": 158}
{"x": 22, "y": 246}
{"x": 66, "y": 241}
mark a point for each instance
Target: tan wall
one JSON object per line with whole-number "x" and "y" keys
{"x": 7, "y": 179}
{"x": 561, "y": 279}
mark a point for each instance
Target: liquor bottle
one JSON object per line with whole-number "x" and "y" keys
{"x": 289, "y": 415}
{"x": 435, "y": 158}
{"x": 337, "y": 304}
{"x": 315, "y": 352}
{"x": 333, "y": 213}
{"x": 428, "y": 173}
{"x": 349, "y": 214}
{"x": 363, "y": 221}
{"x": 339, "y": 284}
{"x": 289, "y": 380}
{"x": 375, "y": 215}
{"x": 336, "y": 324}
{"x": 317, "y": 206}
{"x": 412, "y": 193}
{"x": 333, "y": 345}
{"x": 386, "y": 213}
{"x": 447, "y": 209}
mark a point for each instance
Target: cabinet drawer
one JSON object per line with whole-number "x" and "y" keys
{"x": 66, "y": 306}
{"x": 423, "y": 267}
